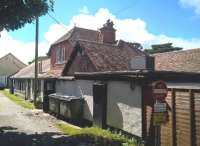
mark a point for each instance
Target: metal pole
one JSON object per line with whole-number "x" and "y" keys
{"x": 36, "y": 60}
{"x": 157, "y": 134}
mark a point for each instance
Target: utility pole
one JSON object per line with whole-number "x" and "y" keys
{"x": 36, "y": 59}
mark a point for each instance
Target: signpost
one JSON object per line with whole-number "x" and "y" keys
{"x": 159, "y": 90}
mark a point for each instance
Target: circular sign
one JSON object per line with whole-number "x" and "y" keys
{"x": 159, "y": 90}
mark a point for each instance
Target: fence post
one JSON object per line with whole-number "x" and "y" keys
{"x": 173, "y": 101}
{"x": 192, "y": 119}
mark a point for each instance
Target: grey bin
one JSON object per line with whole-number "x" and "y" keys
{"x": 69, "y": 107}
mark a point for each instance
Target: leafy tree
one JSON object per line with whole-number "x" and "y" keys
{"x": 14, "y": 14}
{"x": 39, "y": 59}
{"x": 160, "y": 48}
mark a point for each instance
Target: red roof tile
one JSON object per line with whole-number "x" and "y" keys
{"x": 108, "y": 57}
{"x": 184, "y": 61}
{"x": 77, "y": 33}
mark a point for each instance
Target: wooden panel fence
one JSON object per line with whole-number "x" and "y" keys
{"x": 183, "y": 126}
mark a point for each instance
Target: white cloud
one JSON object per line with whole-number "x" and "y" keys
{"x": 84, "y": 10}
{"x": 177, "y": 41}
{"x": 22, "y": 50}
{"x": 133, "y": 30}
{"x": 191, "y": 3}
{"x": 55, "y": 32}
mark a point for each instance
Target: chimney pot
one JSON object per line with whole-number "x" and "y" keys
{"x": 108, "y": 32}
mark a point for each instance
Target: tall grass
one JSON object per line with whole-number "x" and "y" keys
{"x": 96, "y": 134}
{"x": 18, "y": 100}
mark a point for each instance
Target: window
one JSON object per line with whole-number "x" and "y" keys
{"x": 60, "y": 55}
{"x": 40, "y": 67}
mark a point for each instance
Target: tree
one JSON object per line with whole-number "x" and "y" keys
{"x": 160, "y": 48}
{"x": 14, "y": 14}
{"x": 39, "y": 59}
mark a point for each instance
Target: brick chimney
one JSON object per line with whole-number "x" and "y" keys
{"x": 108, "y": 32}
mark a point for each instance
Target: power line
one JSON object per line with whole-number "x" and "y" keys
{"x": 57, "y": 21}
{"x": 125, "y": 8}
{"x": 54, "y": 19}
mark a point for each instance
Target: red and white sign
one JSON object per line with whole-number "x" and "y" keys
{"x": 159, "y": 90}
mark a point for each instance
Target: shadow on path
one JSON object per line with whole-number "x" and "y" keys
{"x": 9, "y": 136}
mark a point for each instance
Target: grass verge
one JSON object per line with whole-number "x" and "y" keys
{"x": 96, "y": 135}
{"x": 18, "y": 100}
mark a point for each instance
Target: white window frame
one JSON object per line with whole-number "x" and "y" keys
{"x": 60, "y": 55}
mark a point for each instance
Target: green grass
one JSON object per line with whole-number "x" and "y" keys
{"x": 18, "y": 100}
{"x": 95, "y": 133}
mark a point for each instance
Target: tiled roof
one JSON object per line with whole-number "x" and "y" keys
{"x": 183, "y": 61}
{"x": 108, "y": 57}
{"x": 79, "y": 33}
{"x": 28, "y": 72}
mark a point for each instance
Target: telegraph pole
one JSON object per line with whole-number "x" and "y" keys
{"x": 36, "y": 59}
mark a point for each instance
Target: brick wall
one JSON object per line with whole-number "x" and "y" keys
{"x": 81, "y": 63}
{"x": 68, "y": 49}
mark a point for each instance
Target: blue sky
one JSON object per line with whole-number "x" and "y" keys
{"x": 144, "y": 21}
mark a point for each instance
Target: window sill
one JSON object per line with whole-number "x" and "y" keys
{"x": 59, "y": 63}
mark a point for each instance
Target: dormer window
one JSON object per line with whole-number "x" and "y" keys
{"x": 81, "y": 52}
{"x": 60, "y": 55}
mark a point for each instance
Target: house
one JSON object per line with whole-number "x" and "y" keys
{"x": 9, "y": 65}
{"x": 102, "y": 51}
{"x": 83, "y": 50}
{"x": 80, "y": 50}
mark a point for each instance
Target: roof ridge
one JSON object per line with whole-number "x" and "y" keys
{"x": 13, "y": 57}
{"x": 85, "y": 28}
{"x": 69, "y": 31}
{"x": 95, "y": 42}
{"x": 178, "y": 51}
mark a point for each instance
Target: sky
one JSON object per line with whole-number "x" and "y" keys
{"x": 144, "y": 21}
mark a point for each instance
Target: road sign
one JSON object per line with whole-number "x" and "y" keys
{"x": 159, "y": 118}
{"x": 160, "y": 107}
{"x": 159, "y": 90}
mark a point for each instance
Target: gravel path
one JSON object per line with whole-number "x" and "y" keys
{"x": 23, "y": 127}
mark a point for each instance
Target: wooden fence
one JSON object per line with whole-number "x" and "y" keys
{"x": 183, "y": 127}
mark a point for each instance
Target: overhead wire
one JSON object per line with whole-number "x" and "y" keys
{"x": 57, "y": 21}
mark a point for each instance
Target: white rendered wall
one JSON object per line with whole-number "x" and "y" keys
{"x": 124, "y": 109}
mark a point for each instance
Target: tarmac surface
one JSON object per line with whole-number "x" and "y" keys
{"x": 23, "y": 127}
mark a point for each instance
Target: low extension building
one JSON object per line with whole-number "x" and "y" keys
{"x": 23, "y": 81}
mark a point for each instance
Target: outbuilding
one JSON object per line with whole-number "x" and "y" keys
{"x": 124, "y": 101}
